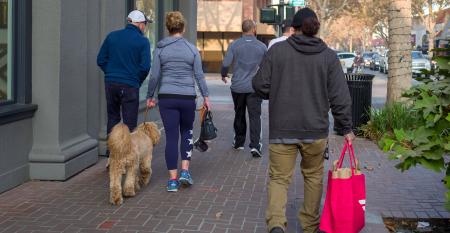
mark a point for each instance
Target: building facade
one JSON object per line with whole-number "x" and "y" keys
{"x": 52, "y": 100}
{"x": 419, "y": 33}
{"x": 219, "y": 24}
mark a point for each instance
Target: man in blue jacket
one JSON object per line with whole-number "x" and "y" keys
{"x": 125, "y": 59}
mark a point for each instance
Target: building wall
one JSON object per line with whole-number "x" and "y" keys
{"x": 219, "y": 16}
{"x": 418, "y": 30}
{"x": 63, "y": 73}
{"x": 15, "y": 143}
{"x": 60, "y": 140}
{"x": 219, "y": 24}
{"x": 189, "y": 10}
{"x": 68, "y": 131}
{"x": 249, "y": 9}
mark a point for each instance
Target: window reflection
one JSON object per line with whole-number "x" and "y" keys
{"x": 149, "y": 8}
{"x": 5, "y": 48}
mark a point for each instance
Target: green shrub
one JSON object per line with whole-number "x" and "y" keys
{"x": 385, "y": 120}
{"x": 427, "y": 143}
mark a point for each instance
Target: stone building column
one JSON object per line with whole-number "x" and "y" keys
{"x": 67, "y": 85}
{"x": 189, "y": 10}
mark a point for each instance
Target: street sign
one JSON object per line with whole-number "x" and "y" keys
{"x": 290, "y": 12}
{"x": 268, "y": 15}
{"x": 300, "y": 3}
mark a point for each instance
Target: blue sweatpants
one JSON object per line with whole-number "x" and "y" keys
{"x": 178, "y": 119}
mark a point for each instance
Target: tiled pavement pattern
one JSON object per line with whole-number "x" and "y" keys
{"x": 229, "y": 194}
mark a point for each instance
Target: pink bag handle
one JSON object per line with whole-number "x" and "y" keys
{"x": 352, "y": 154}
{"x": 341, "y": 158}
{"x": 348, "y": 147}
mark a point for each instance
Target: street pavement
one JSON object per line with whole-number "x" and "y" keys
{"x": 379, "y": 87}
{"x": 229, "y": 194}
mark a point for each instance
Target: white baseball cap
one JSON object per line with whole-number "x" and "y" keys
{"x": 138, "y": 17}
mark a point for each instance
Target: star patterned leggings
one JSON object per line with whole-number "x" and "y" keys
{"x": 177, "y": 115}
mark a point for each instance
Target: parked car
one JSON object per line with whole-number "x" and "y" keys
{"x": 384, "y": 64}
{"x": 346, "y": 59}
{"x": 419, "y": 62}
{"x": 375, "y": 62}
{"x": 367, "y": 56}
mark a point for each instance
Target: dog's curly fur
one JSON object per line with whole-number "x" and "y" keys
{"x": 130, "y": 154}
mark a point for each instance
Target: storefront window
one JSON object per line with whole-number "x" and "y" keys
{"x": 5, "y": 51}
{"x": 149, "y": 8}
{"x": 213, "y": 47}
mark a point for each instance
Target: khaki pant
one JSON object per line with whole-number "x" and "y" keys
{"x": 281, "y": 168}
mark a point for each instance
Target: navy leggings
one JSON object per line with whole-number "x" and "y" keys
{"x": 178, "y": 119}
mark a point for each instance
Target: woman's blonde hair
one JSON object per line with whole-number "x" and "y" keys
{"x": 175, "y": 22}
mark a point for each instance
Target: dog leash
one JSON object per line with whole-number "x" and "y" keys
{"x": 146, "y": 114}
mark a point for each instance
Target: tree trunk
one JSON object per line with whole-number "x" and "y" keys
{"x": 399, "y": 78}
{"x": 430, "y": 27}
{"x": 431, "y": 38}
{"x": 364, "y": 41}
{"x": 351, "y": 44}
{"x": 324, "y": 28}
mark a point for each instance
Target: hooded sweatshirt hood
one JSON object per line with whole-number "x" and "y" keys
{"x": 306, "y": 44}
{"x": 167, "y": 41}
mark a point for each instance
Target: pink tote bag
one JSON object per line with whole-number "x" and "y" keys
{"x": 345, "y": 200}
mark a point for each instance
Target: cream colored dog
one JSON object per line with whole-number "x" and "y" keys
{"x": 130, "y": 154}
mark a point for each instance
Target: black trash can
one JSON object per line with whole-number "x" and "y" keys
{"x": 360, "y": 87}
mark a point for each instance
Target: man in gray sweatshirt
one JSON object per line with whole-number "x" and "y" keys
{"x": 245, "y": 54}
{"x": 302, "y": 78}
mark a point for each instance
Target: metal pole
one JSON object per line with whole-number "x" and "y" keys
{"x": 281, "y": 13}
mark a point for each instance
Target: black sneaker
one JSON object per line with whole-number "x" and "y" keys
{"x": 277, "y": 230}
{"x": 256, "y": 153}
{"x": 237, "y": 147}
{"x": 200, "y": 145}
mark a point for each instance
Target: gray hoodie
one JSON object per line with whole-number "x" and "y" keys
{"x": 302, "y": 79}
{"x": 176, "y": 67}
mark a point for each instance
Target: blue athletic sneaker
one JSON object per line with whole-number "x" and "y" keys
{"x": 185, "y": 178}
{"x": 172, "y": 186}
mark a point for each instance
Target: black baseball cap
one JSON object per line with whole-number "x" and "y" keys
{"x": 301, "y": 15}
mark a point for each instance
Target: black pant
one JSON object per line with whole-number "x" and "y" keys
{"x": 121, "y": 97}
{"x": 252, "y": 103}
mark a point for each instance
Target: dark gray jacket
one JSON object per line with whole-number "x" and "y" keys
{"x": 244, "y": 54}
{"x": 303, "y": 78}
{"x": 176, "y": 64}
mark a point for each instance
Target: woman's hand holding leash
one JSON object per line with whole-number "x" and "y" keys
{"x": 151, "y": 103}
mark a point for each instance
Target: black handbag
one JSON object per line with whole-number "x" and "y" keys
{"x": 208, "y": 130}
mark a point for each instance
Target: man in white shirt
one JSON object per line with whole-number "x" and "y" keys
{"x": 287, "y": 29}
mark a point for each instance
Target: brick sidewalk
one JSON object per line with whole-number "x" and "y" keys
{"x": 229, "y": 194}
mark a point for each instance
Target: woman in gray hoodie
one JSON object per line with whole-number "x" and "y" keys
{"x": 176, "y": 68}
